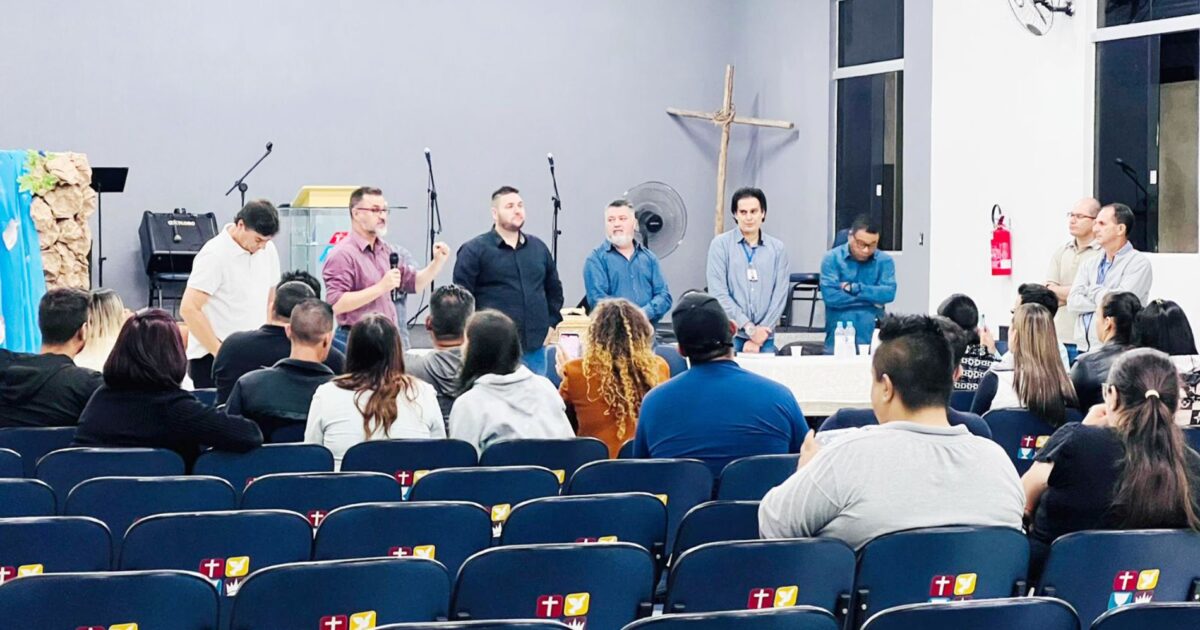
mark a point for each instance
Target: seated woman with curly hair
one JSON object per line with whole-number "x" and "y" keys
{"x": 605, "y": 387}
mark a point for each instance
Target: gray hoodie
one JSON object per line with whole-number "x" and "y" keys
{"x": 507, "y": 407}
{"x": 439, "y": 369}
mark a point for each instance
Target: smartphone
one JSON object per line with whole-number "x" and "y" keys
{"x": 571, "y": 345}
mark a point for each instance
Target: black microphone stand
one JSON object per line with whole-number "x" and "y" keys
{"x": 554, "y": 231}
{"x": 240, "y": 184}
{"x": 433, "y": 220}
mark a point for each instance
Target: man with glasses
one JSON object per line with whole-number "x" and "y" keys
{"x": 359, "y": 276}
{"x": 857, "y": 282}
{"x": 1065, "y": 262}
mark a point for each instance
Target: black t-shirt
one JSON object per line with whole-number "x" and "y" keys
{"x": 249, "y": 350}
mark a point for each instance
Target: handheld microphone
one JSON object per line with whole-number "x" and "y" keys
{"x": 270, "y": 145}
{"x": 394, "y": 259}
{"x": 428, "y": 156}
{"x": 550, "y": 156}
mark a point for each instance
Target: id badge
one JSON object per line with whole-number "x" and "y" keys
{"x": 752, "y": 274}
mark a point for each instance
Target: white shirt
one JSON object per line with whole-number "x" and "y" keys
{"x": 238, "y": 284}
{"x": 334, "y": 419}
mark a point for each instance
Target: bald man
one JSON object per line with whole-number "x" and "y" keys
{"x": 1065, "y": 262}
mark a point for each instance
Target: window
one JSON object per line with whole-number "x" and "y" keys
{"x": 1147, "y": 136}
{"x": 1117, "y": 12}
{"x": 869, "y": 109}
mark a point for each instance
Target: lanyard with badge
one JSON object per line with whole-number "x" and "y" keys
{"x": 751, "y": 272}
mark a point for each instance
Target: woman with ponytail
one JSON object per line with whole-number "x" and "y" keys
{"x": 604, "y": 389}
{"x": 1115, "y": 328}
{"x": 1127, "y": 466}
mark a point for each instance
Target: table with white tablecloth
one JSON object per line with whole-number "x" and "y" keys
{"x": 821, "y": 384}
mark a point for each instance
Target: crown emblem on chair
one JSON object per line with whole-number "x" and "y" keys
{"x": 1142, "y": 598}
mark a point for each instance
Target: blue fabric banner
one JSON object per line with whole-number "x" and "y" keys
{"x": 22, "y": 283}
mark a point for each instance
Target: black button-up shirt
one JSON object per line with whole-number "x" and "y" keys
{"x": 521, "y": 283}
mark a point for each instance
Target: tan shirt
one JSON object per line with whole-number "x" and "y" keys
{"x": 1064, "y": 266}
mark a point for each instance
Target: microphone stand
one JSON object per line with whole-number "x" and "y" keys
{"x": 433, "y": 220}
{"x": 554, "y": 231}
{"x": 240, "y": 184}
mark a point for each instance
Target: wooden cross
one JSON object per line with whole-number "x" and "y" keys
{"x": 726, "y": 118}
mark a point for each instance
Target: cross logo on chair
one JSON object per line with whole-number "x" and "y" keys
{"x": 316, "y": 516}
{"x": 572, "y": 607}
{"x": 1131, "y": 586}
{"x": 419, "y": 551}
{"x": 226, "y": 572}
{"x": 959, "y": 587}
{"x": 1030, "y": 445}
{"x": 779, "y": 597}
{"x": 9, "y": 573}
{"x": 357, "y": 621}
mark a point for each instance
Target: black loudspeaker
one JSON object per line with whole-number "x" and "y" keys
{"x": 171, "y": 240}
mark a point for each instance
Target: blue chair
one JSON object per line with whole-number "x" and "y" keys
{"x": 1043, "y": 613}
{"x": 551, "y": 353}
{"x": 314, "y": 495}
{"x": 522, "y": 624}
{"x": 408, "y": 460}
{"x": 1169, "y": 616}
{"x": 626, "y": 451}
{"x": 633, "y": 517}
{"x": 495, "y": 488}
{"x": 207, "y": 396}
{"x": 610, "y": 584}
{"x": 762, "y": 574}
{"x": 224, "y": 547}
{"x": 939, "y": 563}
{"x": 1192, "y": 435}
{"x": 962, "y": 400}
{"x": 670, "y": 354}
{"x": 34, "y": 442}
{"x": 563, "y": 457}
{"x": 343, "y": 593}
{"x": 119, "y": 501}
{"x": 53, "y": 544}
{"x": 446, "y": 531}
{"x": 681, "y": 483}
{"x": 717, "y": 521}
{"x": 66, "y": 468}
{"x": 1021, "y": 434}
{"x": 26, "y": 497}
{"x": 173, "y": 600}
{"x": 750, "y": 478}
{"x": 1099, "y": 570}
{"x": 795, "y": 618}
{"x": 239, "y": 469}
{"x": 10, "y": 464}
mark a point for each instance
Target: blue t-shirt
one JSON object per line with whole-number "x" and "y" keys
{"x": 851, "y": 418}
{"x": 717, "y": 412}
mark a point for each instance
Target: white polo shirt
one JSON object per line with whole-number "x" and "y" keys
{"x": 238, "y": 284}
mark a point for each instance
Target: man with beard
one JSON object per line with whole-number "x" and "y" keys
{"x": 513, "y": 272}
{"x": 623, "y": 268}
{"x": 359, "y": 277}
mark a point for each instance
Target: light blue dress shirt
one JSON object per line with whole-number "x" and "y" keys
{"x": 639, "y": 279}
{"x": 760, "y": 301}
{"x": 872, "y": 286}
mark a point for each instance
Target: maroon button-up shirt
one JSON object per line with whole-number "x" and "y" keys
{"x": 354, "y": 265}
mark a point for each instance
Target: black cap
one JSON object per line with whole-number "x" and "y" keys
{"x": 700, "y": 324}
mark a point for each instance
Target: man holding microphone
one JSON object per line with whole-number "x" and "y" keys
{"x": 363, "y": 271}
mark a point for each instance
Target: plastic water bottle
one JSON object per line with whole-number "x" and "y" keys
{"x": 839, "y": 340}
{"x": 874, "y": 340}
{"x": 851, "y": 339}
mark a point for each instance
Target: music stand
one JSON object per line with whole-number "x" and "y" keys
{"x": 105, "y": 180}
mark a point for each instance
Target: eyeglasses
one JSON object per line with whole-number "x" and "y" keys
{"x": 1076, "y": 215}
{"x": 375, "y": 211}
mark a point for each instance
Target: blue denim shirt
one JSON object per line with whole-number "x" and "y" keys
{"x": 872, "y": 285}
{"x": 639, "y": 279}
{"x": 760, "y": 303}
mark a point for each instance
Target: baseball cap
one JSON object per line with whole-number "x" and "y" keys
{"x": 700, "y": 324}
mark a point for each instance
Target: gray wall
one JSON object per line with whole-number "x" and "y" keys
{"x": 186, "y": 94}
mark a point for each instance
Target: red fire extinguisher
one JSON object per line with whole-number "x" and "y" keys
{"x": 1001, "y": 244}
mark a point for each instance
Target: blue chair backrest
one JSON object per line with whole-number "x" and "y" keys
{"x": 717, "y": 521}
{"x": 408, "y": 460}
{"x": 26, "y": 497}
{"x": 53, "y": 544}
{"x": 685, "y": 483}
{"x": 496, "y": 488}
{"x": 609, "y": 584}
{"x": 796, "y": 618}
{"x": 446, "y": 531}
{"x": 633, "y": 517}
{"x": 66, "y": 468}
{"x": 1168, "y": 616}
{"x": 342, "y": 593}
{"x": 239, "y": 469}
{"x": 962, "y": 400}
{"x": 34, "y": 442}
{"x": 675, "y": 361}
{"x": 750, "y": 478}
{"x": 1020, "y": 433}
{"x": 224, "y": 547}
{"x": 10, "y": 464}
{"x": 314, "y": 495}
{"x": 626, "y": 451}
{"x": 939, "y": 563}
{"x": 1043, "y": 613}
{"x": 119, "y": 501}
{"x": 762, "y": 574}
{"x": 524, "y": 624}
{"x": 172, "y": 600}
{"x": 563, "y": 456}
{"x": 1096, "y": 571}
{"x": 1192, "y": 435}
